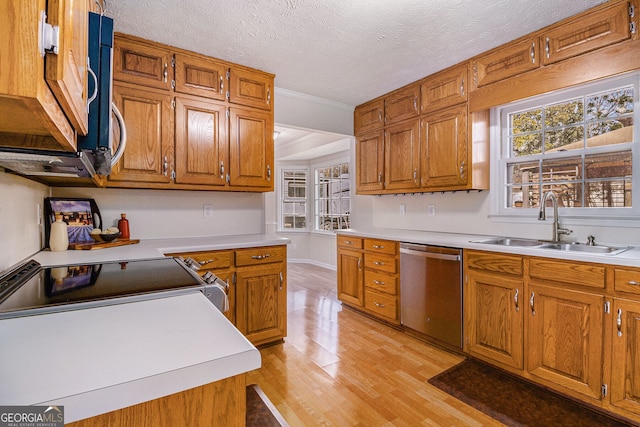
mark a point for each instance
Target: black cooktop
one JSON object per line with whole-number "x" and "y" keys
{"x": 33, "y": 289}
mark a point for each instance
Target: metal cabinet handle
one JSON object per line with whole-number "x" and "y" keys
{"x": 378, "y": 304}
{"x": 221, "y": 84}
{"x": 533, "y": 53}
{"x": 462, "y": 164}
{"x": 205, "y": 262}
{"x": 269, "y": 96}
{"x": 378, "y": 246}
{"x": 165, "y": 166}
{"x": 348, "y": 242}
{"x": 515, "y": 300}
{"x": 221, "y": 169}
{"x": 281, "y": 280}
{"x": 619, "y": 322}
{"x": 415, "y": 104}
{"x": 378, "y": 263}
{"x": 378, "y": 282}
{"x": 165, "y": 73}
{"x": 380, "y": 177}
{"x": 547, "y": 48}
{"x": 95, "y": 84}
{"x": 415, "y": 174}
{"x": 531, "y": 304}
{"x": 261, "y": 256}
{"x": 633, "y": 283}
{"x": 268, "y": 172}
{"x": 359, "y": 263}
{"x": 462, "y": 87}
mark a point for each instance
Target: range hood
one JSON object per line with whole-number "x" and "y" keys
{"x": 47, "y": 164}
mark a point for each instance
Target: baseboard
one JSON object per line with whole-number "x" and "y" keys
{"x": 312, "y": 262}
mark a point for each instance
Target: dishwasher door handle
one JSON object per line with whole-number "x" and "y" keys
{"x": 423, "y": 254}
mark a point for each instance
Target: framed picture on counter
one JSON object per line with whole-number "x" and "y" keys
{"x": 81, "y": 216}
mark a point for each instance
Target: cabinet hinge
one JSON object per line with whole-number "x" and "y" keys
{"x": 607, "y": 307}
{"x": 227, "y": 95}
{"x": 228, "y": 114}
{"x": 49, "y": 36}
{"x": 228, "y": 178}
{"x": 604, "y": 390}
{"x": 632, "y": 14}
{"x": 173, "y": 175}
{"x": 173, "y": 61}
{"x": 173, "y": 84}
{"x": 173, "y": 104}
{"x": 228, "y": 75}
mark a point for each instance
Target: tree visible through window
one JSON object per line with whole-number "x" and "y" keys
{"x": 580, "y": 147}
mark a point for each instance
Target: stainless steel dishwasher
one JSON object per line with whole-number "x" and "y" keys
{"x": 431, "y": 291}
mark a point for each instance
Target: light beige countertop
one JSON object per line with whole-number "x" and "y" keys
{"x": 629, "y": 257}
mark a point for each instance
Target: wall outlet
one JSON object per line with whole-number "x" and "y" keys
{"x": 207, "y": 211}
{"x": 403, "y": 209}
{"x": 431, "y": 210}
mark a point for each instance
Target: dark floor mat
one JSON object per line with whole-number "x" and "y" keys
{"x": 513, "y": 401}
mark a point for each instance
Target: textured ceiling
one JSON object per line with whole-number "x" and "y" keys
{"x": 347, "y": 51}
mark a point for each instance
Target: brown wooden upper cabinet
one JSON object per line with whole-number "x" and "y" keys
{"x": 370, "y": 163}
{"x": 444, "y": 89}
{"x": 141, "y": 63}
{"x": 369, "y": 116}
{"x": 588, "y": 32}
{"x": 402, "y": 104}
{"x": 43, "y": 97}
{"x": 507, "y": 61}
{"x": 402, "y": 155}
{"x": 201, "y": 76}
{"x": 250, "y": 88}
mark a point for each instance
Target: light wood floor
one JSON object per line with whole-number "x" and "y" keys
{"x": 340, "y": 368}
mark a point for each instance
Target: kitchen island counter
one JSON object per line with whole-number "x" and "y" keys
{"x": 93, "y": 361}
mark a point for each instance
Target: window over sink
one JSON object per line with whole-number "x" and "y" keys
{"x": 580, "y": 142}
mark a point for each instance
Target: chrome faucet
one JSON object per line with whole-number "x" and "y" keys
{"x": 542, "y": 215}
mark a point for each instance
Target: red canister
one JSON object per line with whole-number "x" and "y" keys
{"x": 123, "y": 226}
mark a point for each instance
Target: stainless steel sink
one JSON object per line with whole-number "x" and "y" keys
{"x": 507, "y": 241}
{"x": 580, "y": 247}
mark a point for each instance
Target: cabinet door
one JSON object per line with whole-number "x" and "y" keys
{"x": 402, "y": 104}
{"x": 445, "y": 89}
{"x": 370, "y": 163}
{"x": 148, "y": 117}
{"x": 402, "y": 156}
{"x": 251, "y": 148}
{"x": 143, "y": 63}
{"x": 494, "y": 318}
{"x": 565, "y": 338}
{"x": 201, "y": 142}
{"x": 66, "y": 72}
{"x": 261, "y": 305}
{"x": 251, "y": 88}
{"x": 592, "y": 31}
{"x": 444, "y": 149}
{"x": 350, "y": 277}
{"x": 368, "y": 117}
{"x": 508, "y": 61}
{"x": 625, "y": 370}
{"x": 200, "y": 76}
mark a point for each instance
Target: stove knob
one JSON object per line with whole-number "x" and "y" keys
{"x": 192, "y": 263}
{"x": 209, "y": 277}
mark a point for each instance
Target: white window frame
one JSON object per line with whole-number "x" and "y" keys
{"x": 281, "y": 201}
{"x": 326, "y": 164}
{"x": 499, "y": 212}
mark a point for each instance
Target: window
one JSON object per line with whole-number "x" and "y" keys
{"x": 332, "y": 197}
{"x": 293, "y": 200}
{"x": 578, "y": 143}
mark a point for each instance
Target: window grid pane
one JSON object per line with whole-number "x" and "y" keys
{"x": 294, "y": 200}
{"x": 332, "y": 198}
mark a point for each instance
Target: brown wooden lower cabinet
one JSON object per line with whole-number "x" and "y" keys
{"x": 257, "y": 279}
{"x": 571, "y": 326}
{"x": 222, "y": 403}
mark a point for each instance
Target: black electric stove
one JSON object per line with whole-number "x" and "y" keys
{"x": 31, "y": 289}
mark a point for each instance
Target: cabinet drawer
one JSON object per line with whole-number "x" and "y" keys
{"x": 381, "y": 246}
{"x": 381, "y": 262}
{"x": 626, "y": 280}
{"x": 384, "y": 305}
{"x": 143, "y": 63}
{"x": 510, "y": 264}
{"x": 567, "y": 272}
{"x": 210, "y": 260}
{"x": 402, "y": 104}
{"x": 200, "y": 76}
{"x": 368, "y": 117}
{"x": 349, "y": 242}
{"x": 444, "y": 89}
{"x": 508, "y": 61}
{"x": 381, "y": 282}
{"x": 261, "y": 255}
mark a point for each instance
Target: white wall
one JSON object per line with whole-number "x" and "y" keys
{"x": 20, "y": 232}
{"x": 176, "y": 213}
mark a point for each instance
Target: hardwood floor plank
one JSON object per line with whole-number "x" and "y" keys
{"x": 338, "y": 367}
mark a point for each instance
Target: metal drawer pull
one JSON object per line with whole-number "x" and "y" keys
{"x": 377, "y": 304}
{"x": 533, "y": 53}
{"x": 619, "y": 322}
{"x": 348, "y": 242}
{"x": 205, "y": 262}
{"x": 261, "y": 256}
{"x": 378, "y": 246}
{"x": 359, "y": 263}
{"x": 281, "y": 280}
{"x": 378, "y": 263}
{"x": 378, "y": 282}
{"x": 515, "y": 300}
{"x": 531, "y": 303}
{"x": 633, "y": 283}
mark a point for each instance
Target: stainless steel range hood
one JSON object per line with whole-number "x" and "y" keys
{"x": 48, "y": 164}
